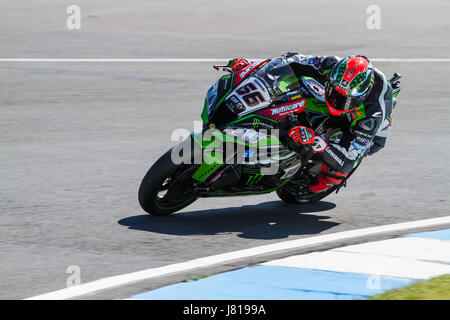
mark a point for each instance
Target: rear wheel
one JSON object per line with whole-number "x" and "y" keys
{"x": 289, "y": 193}
{"x": 285, "y": 195}
{"x": 290, "y": 197}
{"x": 167, "y": 187}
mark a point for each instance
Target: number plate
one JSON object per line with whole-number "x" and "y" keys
{"x": 253, "y": 95}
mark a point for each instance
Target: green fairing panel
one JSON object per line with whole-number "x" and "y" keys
{"x": 205, "y": 170}
{"x": 204, "y": 114}
{"x": 218, "y": 138}
{"x": 395, "y": 93}
{"x": 254, "y": 116}
{"x": 212, "y": 160}
{"x": 225, "y": 193}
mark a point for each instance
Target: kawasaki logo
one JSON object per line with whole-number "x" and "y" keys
{"x": 335, "y": 157}
{"x": 288, "y": 107}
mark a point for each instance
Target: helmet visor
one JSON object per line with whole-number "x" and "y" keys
{"x": 362, "y": 88}
{"x": 339, "y": 101}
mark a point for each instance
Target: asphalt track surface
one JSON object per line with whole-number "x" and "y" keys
{"x": 77, "y": 138}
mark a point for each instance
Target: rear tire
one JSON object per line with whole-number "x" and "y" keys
{"x": 288, "y": 197}
{"x": 152, "y": 183}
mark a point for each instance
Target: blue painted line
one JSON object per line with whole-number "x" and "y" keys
{"x": 275, "y": 283}
{"x": 440, "y": 235}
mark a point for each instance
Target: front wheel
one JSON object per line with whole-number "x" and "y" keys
{"x": 166, "y": 188}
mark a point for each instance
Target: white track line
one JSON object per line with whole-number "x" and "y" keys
{"x": 198, "y": 60}
{"x": 411, "y": 60}
{"x": 120, "y": 280}
{"x": 112, "y": 60}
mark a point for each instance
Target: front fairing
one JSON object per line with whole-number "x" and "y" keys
{"x": 215, "y": 96}
{"x": 273, "y": 85}
{"x": 248, "y": 90}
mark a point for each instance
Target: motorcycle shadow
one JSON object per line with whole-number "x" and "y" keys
{"x": 267, "y": 220}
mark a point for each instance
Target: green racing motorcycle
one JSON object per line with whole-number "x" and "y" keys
{"x": 243, "y": 148}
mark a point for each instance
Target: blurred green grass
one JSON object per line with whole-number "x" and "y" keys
{"x": 437, "y": 288}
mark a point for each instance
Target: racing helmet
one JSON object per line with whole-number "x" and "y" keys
{"x": 349, "y": 84}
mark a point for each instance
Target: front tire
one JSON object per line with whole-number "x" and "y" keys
{"x": 154, "y": 182}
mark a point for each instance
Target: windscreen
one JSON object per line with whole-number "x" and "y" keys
{"x": 279, "y": 77}
{"x": 211, "y": 96}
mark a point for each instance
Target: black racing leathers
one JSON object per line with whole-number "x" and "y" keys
{"x": 365, "y": 129}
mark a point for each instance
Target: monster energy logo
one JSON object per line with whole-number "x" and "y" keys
{"x": 256, "y": 123}
{"x": 253, "y": 179}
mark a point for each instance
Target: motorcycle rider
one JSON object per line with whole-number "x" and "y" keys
{"x": 359, "y": 97}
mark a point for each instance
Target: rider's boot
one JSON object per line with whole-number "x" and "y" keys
{"x": 326, "y": 179}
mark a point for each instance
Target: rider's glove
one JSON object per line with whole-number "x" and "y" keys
{"x": 319, "y": 144}
{"x": 237, "y": 64}
{"x": 306, "y": 136}
{"x": 302, "y": 135}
